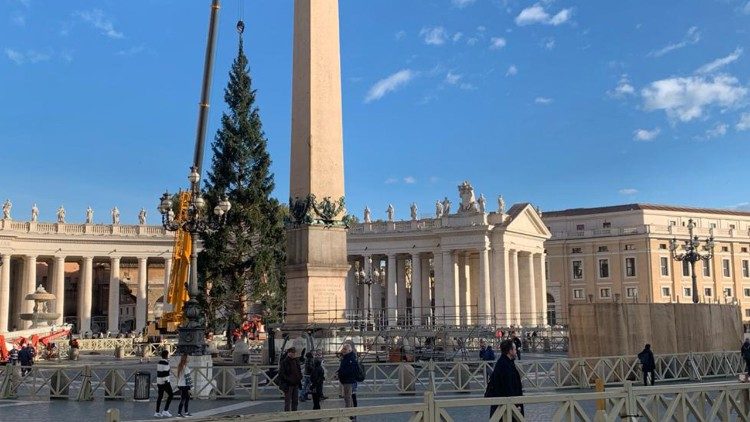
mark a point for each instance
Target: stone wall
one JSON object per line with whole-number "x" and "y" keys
{"x": 611, "y": 329}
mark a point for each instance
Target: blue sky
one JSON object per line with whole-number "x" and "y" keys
{"x": 560, "y": 103}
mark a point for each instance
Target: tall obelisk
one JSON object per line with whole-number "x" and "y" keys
{"x": 316, "y": 237}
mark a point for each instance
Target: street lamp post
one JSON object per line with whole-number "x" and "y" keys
{"x": 372, "y": 276}
{"x": 692, "y": 253}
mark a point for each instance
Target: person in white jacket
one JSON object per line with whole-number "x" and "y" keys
{"x": 184, "y": 382}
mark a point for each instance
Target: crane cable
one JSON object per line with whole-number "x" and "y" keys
{"x": 240, "y": 15}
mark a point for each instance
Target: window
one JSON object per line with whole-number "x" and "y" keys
{"x": 580, "y": 227}
{"x": 745, "y": 268}
{"x": 606, "y": 225}
{"x": 662, "y": 246}
{"x": 687, "y": 291}
{"x": 664, "y": 262}
{"x": 708, "y": 292}
{"x": 732, "y": 227}
{"x": 672, "y": 222}
{"x": 666, "y": 292}
{"x": 685, "y": 269}
{"x": 577, "y": 270}
{"x": 577, "y": 293}
{"x": 743, "y": 250}
{"x": 713, "y": 225}
{"x": 728, "y": 291}
{"x": 631, "y": 292}
{"x": 603, "y": 249}
{"x": 604, "y": 268}
{"x": 629, "y": 247}
{"x": 725, "y": 267}
{"x": 575, "y": 250}
{"x": 605, "y": 293}
{"x": 706, "y": 268}
{"x": 747, "y": 312}
{"x": 630, "y": 267}
{"x": 747, "y": 292}
{"x": 725, "y": 249}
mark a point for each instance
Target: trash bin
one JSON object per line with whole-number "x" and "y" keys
{"x": 142, "y": 388}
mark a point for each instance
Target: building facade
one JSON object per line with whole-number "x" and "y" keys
{"x": 470, "y": 266}
{"x": 90, "y": 268}
{"x": 622, "y": 253}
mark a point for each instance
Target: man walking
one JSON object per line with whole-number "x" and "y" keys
{"x": 505, "y": 380}
{"x": 348, "y": 373}
{"x": 290, "y": 379}
{"x": 26, "y": 357}
{"x": 745, "y": 351}
{"x": 648, "y": 364}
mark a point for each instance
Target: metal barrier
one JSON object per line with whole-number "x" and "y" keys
{"x": 721, "y": 401}
{"x": 129, "y": 346}
{"x": 257, "y": 382}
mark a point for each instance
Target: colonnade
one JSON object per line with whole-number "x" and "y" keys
{"x": 483, "y": 286}
{"x": 24, "y": 280}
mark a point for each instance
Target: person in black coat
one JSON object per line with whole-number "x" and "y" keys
{"x": 648, "y": 364}
{"x": 518, "y": 343}
{"x": 317, "y": 376}
{"x": 505, "y": 380}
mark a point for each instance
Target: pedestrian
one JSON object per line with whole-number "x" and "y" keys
{"x": 348, "y": 368}
{"x": 745, "y": 351}
{"x": 486, "y": 354}
{"x": 184, "y": 383}
{"x": 13, "y": 356}
{"x": 517, "y": 342}
{"x": 317, "y": 376}
{"x": 648, "y": 364}
{"x": 163, "y": 386}
{"x": 290, "y": 376}
{"x": 26, "y": 357}
{"x": 308, "y": 368}
{"x": 505, "y": 380}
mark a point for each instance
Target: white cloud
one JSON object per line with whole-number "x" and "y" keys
{"x": 399, "y": 35}
{"x": 98, "y": 20}
{"x": 628, "y": 191}
{"x": 391, "y": 180}
{"x": 623, "y": 88}
{"x": 497, "y": 43}
{"x": 720, "y": 62}
{"x": 692, "y": 37}
{"x": 744, "y": 123}
{"x": 472, "y": 41}
{"x": 646, "y": 135}
{"x": 481, "y": 28}
{"x": 30, "y": 56}
{"x": 457, "y": 36}
{"x": 537, "y": 14}
{"x": 452, "y": 78}
{"x": 462, "y": 3}
{"x": 717, "y": 131}
{"x": 548, "y": 43}
{"x": 389, "y": 84}
{"x": 686, "y": 98}
{"x": 410, "y": 180}
{"x": 434, "y": 36}
{"x": 512, "y": 70}
{"x": 543, "y": 100}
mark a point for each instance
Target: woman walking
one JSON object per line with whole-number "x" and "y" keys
{"x": 184, "y": 382}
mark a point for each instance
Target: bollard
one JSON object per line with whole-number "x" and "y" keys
{"x": 254, "y": 386}
{"x": 113, "y": 415}
{"x": 601, "y": 404}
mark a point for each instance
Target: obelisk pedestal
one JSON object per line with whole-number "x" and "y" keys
{"x": 316, "y": 237}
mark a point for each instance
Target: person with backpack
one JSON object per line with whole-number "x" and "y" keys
{"x": 317, "y": 377}
{"x": 505, "y": 380}
{"x": 184, "y": 383}
{"x": 745, "y": 351}
{"x": 648, "y": 364}
{"x": 290, "y": 379}
{"x": 348, "y": 372}
{"x": 163, "y": 386}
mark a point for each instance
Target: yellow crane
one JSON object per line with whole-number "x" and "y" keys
{"x": 177, "y": 293}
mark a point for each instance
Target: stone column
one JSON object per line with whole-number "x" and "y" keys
{"x": 391, "y": 287}
{"x": 501, "y": 263}
{"x": 84, "y": 294}
{"x": 141, "y": 300}
{"x": 530, "y": 287}
{"x": 59, "y": 283}
{"x": 416, "y": 289}
{"x": 5, "y": 293}
{"x": 463, "y": 291}
{"x": 541, "y": 283}
{"x": 29, "y": 285}
{"x": 427, "y": 293}
{"x": 401, "y": 290}
{"x": 113, "y": 309}
{"x": 449, "y": 289}
{"x": 515, "y": 288}
{"x": 437, "y": 263}
{"x": 485, "y": 298}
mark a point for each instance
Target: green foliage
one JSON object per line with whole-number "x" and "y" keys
{"x": 242, "y": 263}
